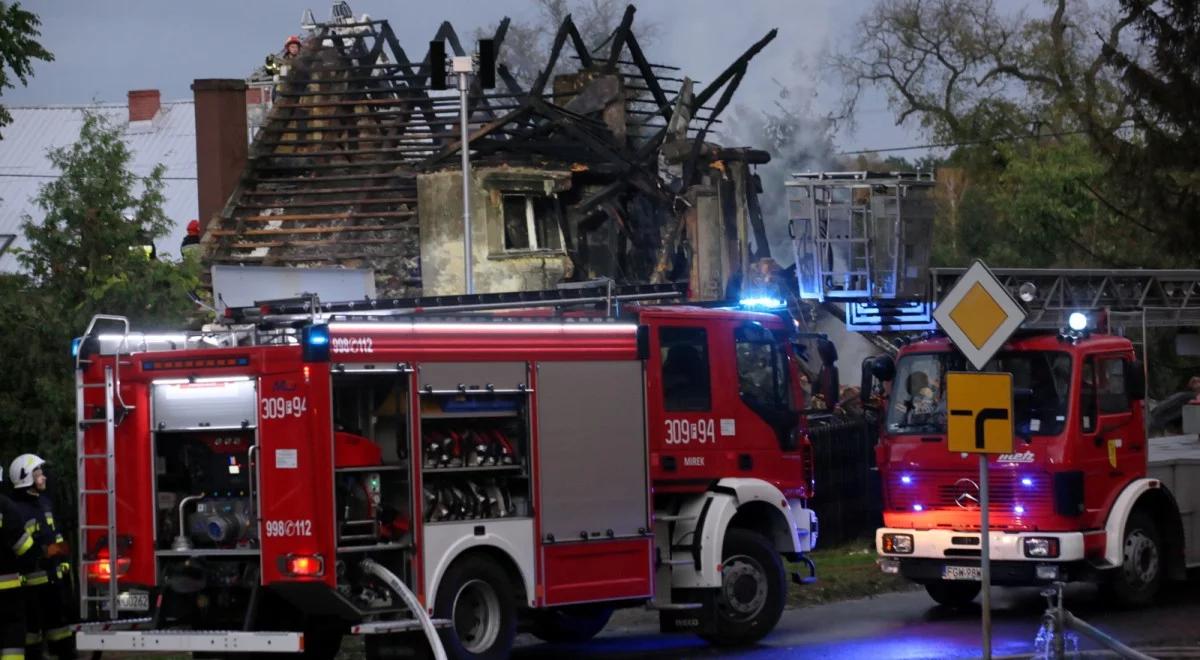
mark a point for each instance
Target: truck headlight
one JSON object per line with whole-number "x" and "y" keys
{"x": 898, "y": 544}
{"x": 1041, "y": 547}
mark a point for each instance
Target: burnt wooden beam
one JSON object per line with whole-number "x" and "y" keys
{"x": 559, "y": 39}
{"x": 738, "y": 64}
{"x": 581, "y": 51}
{"x": 619, "y": 36}
{"x": 660, "y": 98}
{"x": 453, "y": 147}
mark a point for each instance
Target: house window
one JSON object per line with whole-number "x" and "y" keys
{"x": 531, "y": 223}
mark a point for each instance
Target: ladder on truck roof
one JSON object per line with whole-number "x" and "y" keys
{"x": 1148, "y": 298}
{"x": 309, "y": 307}
{"x": 83, "y": 421}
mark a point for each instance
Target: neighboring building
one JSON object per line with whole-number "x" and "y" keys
{"x": 156, "y": 132}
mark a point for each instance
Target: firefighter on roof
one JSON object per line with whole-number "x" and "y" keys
{"x": 16, "y": 552}
{"x": 48, "y": 582}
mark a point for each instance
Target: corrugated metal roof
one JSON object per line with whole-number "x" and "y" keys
{"x": 170, "y": 139}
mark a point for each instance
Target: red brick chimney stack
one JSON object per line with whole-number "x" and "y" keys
{"x": 221, "y": 142}
{"x": 144, "y": 104}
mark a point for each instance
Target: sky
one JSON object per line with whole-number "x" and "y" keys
{"x": 105, "y": 48}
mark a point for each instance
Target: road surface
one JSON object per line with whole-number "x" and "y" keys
{"x": 903, "y": 626}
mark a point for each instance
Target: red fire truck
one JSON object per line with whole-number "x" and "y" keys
{"x": 1084, "y": 495}
{"x": 306, "y": 470}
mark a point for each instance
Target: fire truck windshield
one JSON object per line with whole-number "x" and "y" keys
{"x": 1041, "y": 384}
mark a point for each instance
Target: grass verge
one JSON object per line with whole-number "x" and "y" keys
{"x": 844, "y": 572}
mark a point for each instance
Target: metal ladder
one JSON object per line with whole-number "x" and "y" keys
{"x": 111, "y": 385}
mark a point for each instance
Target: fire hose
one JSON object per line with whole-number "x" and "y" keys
{"x": 389, "y": 578}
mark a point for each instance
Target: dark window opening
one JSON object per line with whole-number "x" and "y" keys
{"x": 531, "y": 223}
{"x": 685, "y": 369}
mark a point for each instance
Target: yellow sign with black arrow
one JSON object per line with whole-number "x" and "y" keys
{"x": 980, "y": 419}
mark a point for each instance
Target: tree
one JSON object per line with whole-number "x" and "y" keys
{"x": 85, "y": 257}
{"x": 1164, "y": 152}
{"x": 1034, "y": 109}
{"x": 18, "y": 49}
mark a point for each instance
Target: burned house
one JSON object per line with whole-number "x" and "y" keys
{"x": 602, "y": 172}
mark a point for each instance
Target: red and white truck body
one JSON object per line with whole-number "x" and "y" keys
{"x": 294, "y": 482}
{"x": 1084, "y": 495}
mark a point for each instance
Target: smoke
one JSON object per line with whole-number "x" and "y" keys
{"x": 788, "y": 125}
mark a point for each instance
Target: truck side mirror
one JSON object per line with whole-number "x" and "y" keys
{"x": 881, "y": 368}
{"x": 1135, "y": 380}
{"x": 867, "y": 381}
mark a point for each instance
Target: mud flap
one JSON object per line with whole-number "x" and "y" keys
{"x": 693, "y": 620}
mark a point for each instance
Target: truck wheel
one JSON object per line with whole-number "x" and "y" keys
{"x": 753, "y": 590}
{"x": 570, "y": 624}
{"x": 953, "y": 593}
{"x": 477, "y": 597}
{"x": 1139, "y": 578}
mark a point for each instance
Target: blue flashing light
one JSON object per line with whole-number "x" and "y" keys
{"x": 1018, "y": 509}
{"x": 918, "y": 508}
{"x": 1027, "y": 482}
{"x": 906, "y": 480}
{"x": 762, "y": 302}
{"x": 315, "y": 341}
{"x": 75, "y": 344}
{"x": 318, "y": 338}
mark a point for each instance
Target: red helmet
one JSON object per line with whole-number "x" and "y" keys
{"x": 292, "y": 40}
{"x": 193, "y": 228}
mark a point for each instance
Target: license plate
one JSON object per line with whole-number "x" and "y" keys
{"x": 972, "y": 573}
{"x": 138, "y": 601}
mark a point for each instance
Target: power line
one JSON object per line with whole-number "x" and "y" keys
{"x": 943, "y": 145}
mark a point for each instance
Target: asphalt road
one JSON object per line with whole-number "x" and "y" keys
{"x": 904, "y": 626}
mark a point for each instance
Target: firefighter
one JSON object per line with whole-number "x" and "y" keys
{"x": 16, "y": 551}
{"x": 48, "y": 584}
{"x": 191, "y": 242}
{"x": 291, "y": 47}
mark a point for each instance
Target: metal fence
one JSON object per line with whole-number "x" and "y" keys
{"x": 847, "y": 487}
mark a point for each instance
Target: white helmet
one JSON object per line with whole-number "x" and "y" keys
{"x": 21, "y": 470}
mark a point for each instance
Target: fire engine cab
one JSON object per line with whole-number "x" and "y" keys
{"x": 1084, "y": 495}
{"x": 308, "y": 470}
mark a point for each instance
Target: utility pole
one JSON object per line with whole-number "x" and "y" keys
{"x": 464, "y": 67}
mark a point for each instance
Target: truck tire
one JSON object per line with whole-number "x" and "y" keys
{"x": 476, "y": 596}
{"x": 568, "y": 625}
{"x": 953, "y": 593}
{"x": 753, "y": 590}
{"x": 1137, "y": 581}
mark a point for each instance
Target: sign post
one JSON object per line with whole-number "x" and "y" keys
{"x": 978, "y": 315}
{"x": 981, "y": 422}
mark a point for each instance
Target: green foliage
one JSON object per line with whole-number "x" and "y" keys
{"x": 1046, "y": 174}
{"x": 85, "y": 258}
{"x": 1162, "y": 162}
{"x": 18, "y": 48}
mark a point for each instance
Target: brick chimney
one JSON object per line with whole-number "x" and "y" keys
{"x": 221, "y": 142}
{"x": 144, "y": 104}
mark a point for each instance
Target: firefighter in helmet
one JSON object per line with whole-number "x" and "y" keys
{"x": 17, "y": 551}
{"x": 291, "y": 47}
{"x": 48, "y": 585}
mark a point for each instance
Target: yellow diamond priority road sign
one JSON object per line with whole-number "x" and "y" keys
{"x": 978, "y": 314}
{"x": 981, "y": 415}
